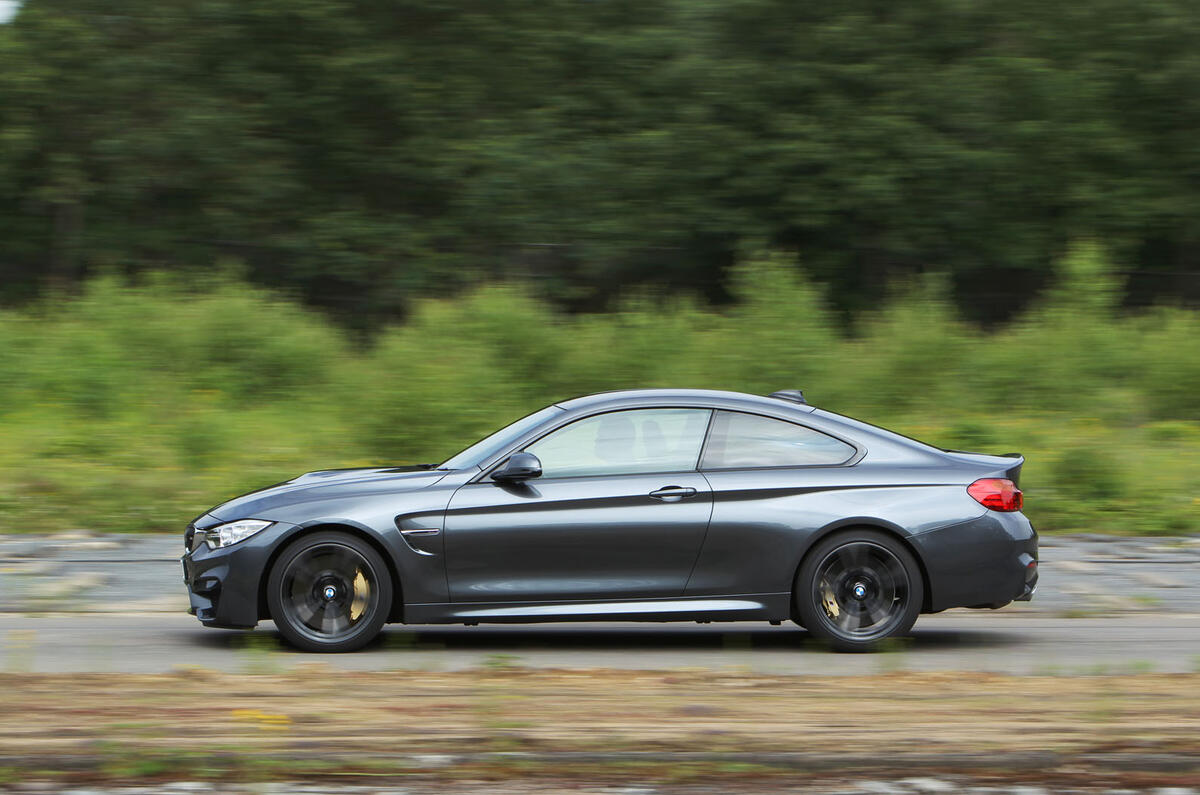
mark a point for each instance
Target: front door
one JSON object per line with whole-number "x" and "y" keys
{"x": 620, "y": 512}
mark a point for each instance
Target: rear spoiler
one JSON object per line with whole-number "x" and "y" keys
{"x": 1014, "y": 472}
{"x": 1011, "y": 463}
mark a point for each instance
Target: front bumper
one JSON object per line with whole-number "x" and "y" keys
{"x": 988, "y": 561}
{"x": 224, "y": 585}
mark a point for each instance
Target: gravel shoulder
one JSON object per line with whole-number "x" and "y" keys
{"x": 598, "y": 711}
{"x": 503, "y": 721}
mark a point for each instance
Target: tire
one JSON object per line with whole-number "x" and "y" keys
{"x": 329, "y": 592}
{"x": 858, "y": 588}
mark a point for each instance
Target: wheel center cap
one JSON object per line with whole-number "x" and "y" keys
{"x": 329, "y": 592}
{"x": 859, "y": 590}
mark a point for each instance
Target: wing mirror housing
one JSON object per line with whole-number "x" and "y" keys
{"x": 519, "y": 467}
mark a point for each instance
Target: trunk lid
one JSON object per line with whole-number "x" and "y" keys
{"x": 1008, "y": 463}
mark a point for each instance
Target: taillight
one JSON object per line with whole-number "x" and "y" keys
{"x": 999, "y": 494}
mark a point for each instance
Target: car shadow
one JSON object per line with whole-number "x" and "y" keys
{"x": 706, "y": 638}
{"x": 500, "y": 639}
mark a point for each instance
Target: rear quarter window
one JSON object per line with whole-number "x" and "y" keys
{"x": 745, "y": 441}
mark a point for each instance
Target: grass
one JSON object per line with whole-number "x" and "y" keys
{"x": 259, "y": 653}
{"x": 135, "y": 406}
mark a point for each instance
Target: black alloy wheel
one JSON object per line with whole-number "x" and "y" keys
{"x": 329, "y": 592}
{"x": 858, "y": 588}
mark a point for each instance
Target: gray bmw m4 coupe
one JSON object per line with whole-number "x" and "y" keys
{"x": 646, "y": 505}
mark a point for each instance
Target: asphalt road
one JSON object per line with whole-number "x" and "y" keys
{"x": 81, "y": 602}
{"x": 1003, "y": 642}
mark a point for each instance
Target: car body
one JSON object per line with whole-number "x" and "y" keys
{"x": 654, "y": 505}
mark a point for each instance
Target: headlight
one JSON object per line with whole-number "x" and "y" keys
{"x": 229, "y": 534}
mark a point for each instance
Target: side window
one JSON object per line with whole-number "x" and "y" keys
{"x": 624, "y": 443}
{"x": 742, "y": 441}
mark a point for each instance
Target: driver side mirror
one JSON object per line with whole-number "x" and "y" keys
{"x": 518, "y": 467}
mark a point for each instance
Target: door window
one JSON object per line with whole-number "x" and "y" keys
{"x": 624, "y": 443}
{"x": 744, "y": 441}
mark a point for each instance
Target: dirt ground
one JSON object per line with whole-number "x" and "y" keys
{"x": 317, "y": 712}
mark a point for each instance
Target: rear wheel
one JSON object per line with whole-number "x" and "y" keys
{"x": 329, "y": 592}
{"x": 858, "y": 588}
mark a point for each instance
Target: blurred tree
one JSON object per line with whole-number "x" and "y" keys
{"x": 356, "y": 153}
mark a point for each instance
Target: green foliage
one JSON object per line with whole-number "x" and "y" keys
{"x": 140, "y": 403}
{"x": 452, "y": 372}
{"x": 1086, "y": 479}
{"x": 778, "y": 332}
{"x": 1167, "y": 362}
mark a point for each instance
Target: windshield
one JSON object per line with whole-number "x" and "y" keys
{"x": 490, "y": 445}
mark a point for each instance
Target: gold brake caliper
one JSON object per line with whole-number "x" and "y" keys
{"x": 829, "y": 602}
{"x": 359, "y": 603}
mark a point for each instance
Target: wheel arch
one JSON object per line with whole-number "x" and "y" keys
{"x": 397, "y": 610}
{"x": 881, "y": 525}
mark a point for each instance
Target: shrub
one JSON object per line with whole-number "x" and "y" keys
{"x": 140, "y": 404}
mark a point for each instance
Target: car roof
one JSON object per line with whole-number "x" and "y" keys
{"x": 628, "y": 398}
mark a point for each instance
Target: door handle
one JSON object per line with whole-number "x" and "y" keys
{"x": 673, "y": 493}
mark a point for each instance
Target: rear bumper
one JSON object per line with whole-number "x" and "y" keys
{"x": 1030, "y": 563}
{"x": 989, "y": 561}
{"x": 224, "y": 584}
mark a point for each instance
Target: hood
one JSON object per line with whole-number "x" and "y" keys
{"x": 327, "y": 484}
{"x": 357, "y": 473}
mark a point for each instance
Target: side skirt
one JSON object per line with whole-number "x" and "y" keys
{"x": 740, "y": 607}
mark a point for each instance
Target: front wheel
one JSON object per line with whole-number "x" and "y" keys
{"x": 858, "y": 588}
{"x": 329, "y": 592}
